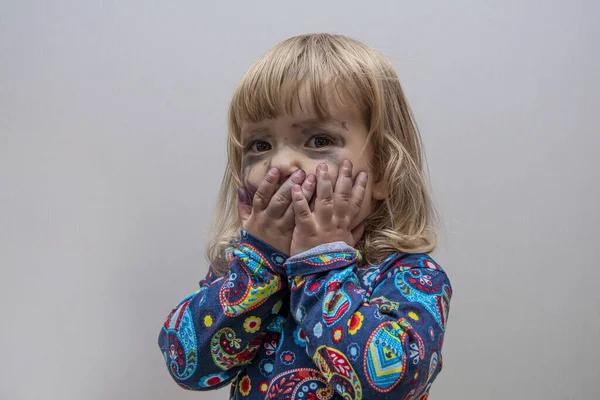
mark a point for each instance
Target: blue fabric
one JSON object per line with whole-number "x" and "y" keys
{"x": 311, "y": 326}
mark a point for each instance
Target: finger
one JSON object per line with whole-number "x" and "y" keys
{"x": 324, "y": 202}
{"x": 243, "y": 205}
{"x": 358, "y": 193}
{"x": 308, "y": 190}
{"x": 283, "y": 197}
{"x": 358, "y": 232}
{"x": 309, "y": 186}
{"x": 265, "y": 190}
{"x": 304, "y": 219}
{"x": 343, "y": 189}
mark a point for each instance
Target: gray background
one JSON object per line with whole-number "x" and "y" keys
{"x": 112, "y": 132}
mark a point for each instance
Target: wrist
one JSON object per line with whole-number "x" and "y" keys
{"x": 323, "y": 257}
{"x": 280, "y": 243}
{"x": 274, "y": 258}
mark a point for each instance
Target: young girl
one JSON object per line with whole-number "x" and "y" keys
{"x": 320, "y": 286}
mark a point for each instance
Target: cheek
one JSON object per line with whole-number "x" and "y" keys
{"x": 252, "y": 175}
{"x": 310, "y": 162}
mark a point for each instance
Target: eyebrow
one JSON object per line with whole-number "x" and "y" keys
{"x": 255, "y": 134}
{"x": 315, "y": 122}
{"x": 256, "y": 131}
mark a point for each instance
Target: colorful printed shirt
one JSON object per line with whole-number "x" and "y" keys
{"x": 313, "y": 326}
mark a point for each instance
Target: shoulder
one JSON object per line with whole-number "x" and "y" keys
{"x": 410, "y": 267}
{"x": 406, "y": 261}
{"x": 417, "y": 260}
{"x": 410, "y": 282}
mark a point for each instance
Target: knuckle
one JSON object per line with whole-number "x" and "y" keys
{"x": 304, "y": 213}
{"x": 345, "y": 196}
{"x": 260, "y": 196}
{"x": 271, "y": 179}
{"x": 280, "y": 198}
{"x": 280, "y": 230}
{"x": 268, "y": 215}
{"x": 327, "y": 201}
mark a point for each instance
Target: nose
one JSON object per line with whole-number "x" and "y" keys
{"x": 287, "y": 161}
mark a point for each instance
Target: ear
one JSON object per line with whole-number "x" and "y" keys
{"x": 379, "y": 191}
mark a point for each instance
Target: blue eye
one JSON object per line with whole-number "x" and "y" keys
{"x": 319, "y": 141}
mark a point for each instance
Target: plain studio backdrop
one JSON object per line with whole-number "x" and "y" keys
{"x": 112, "y": 147}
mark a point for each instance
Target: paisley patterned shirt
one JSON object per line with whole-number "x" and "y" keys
{"x": 313, "y": 326}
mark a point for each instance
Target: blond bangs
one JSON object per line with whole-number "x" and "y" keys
{"x": 272, "y": 86}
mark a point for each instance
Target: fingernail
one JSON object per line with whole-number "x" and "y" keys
{"x": 363, "y": 176}
{"x": 346, "y": 164}
{"x": 273, "y": 171}
{"x": 311, "y": 179}
{"x": 299, "y": 172}
{"x": 243, "y": 195}
{"x": 323, "y": 167}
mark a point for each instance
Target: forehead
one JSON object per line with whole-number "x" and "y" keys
{"x": 287, "y": 123}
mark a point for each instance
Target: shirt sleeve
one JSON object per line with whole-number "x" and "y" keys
{"x": 213, "y": 333}
{"x": 384, "y": 342}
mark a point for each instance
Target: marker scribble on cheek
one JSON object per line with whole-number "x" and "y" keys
{"x": 248, "y": 166}
{"x": 251, "y": 189}
{"x": 246, "y": 163}
{"x": 330, "y": 159}
{"x": 333, "y": 159}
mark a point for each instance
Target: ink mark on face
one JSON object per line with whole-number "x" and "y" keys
{"x": 251, "y": 189}
{"x": 247, "y": 161}
{"x": 245, "y": 164}
{"x": 246, "y": 172}
{"x": 332, "y": 160}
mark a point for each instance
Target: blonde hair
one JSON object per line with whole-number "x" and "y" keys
{"x": 403, "y": 221}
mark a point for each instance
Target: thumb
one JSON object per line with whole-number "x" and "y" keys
{"x": 243, "y": 205}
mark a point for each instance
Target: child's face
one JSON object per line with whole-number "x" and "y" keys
{"x": 303, "y": 141}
